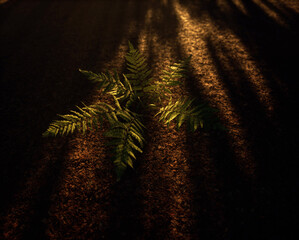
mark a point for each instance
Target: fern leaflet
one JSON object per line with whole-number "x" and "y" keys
{"x": 183, "y": 110}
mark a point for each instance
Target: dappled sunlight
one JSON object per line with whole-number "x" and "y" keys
{"x": 211, "y": 85}
{"x": 180, "y": 202}
{"x": 248, "y": 68}
{"x": 79, "y": 205}
{"x": 166, "y": 186}
{"x": 156, "y": 40}
{"x": 239, "y": 4}
{"x": 271, "y": 13}
{"x": 208, "y": 184}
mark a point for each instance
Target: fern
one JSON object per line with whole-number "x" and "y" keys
{"x": 139, "y": 73}
{"x": 175, "y": 73}
{"x": 80, "y": 120}
{"x": 130, "y": 92}
{"x": 196, "y": 115}
{"x": 127, "y": 138}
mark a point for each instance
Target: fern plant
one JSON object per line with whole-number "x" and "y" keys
{"x": 131, "y": 93}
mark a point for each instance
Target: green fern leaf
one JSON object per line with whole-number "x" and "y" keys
{"x": 80, "y": 120}
{"x": 136, "y": 64}
{"x": 184, "y": 110}
{"x": 134, "y": 146}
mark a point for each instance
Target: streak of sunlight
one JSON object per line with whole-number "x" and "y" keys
{"x": 150, "y": 44}
{"x": 174, "y": 172}
{"x": 165, "y": 2}
{"x": 3, "y": 1}
{"x": 79, "y": 196}
{"x": 253, "y": 73}
{"x": 212, "y": 86}
{"x": 180, "y": 205}
{"x": 271, "y": 13}
{"x": 239, "y": 4}
{"x": 166, "y": 186}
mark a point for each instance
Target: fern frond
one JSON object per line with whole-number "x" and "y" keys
{"x": 136, "y": 64}
{"x": 200, "y": 115}
{"x": 127, "y": 139}
{"x": 175, "y": 71}
{"x": 109, "y": 83}
{"x": 101, "y": 79}
{"x": 80, "y": 120}
{"x": 172, "y": 76}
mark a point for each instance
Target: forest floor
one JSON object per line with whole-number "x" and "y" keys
{"x": 236, "y": 184}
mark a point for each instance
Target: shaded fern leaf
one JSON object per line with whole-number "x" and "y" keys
{"x": 109, "y": 83}
{"x": 139, "y": 72}
{"x": 102, "y": 80}
{"x": 126, "y": 137}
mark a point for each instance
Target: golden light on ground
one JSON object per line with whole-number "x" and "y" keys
{"x": 3, "y": 1}
{"x": 210, "y": 82}
{"x": 78, "y": 204}
{"x": 167, "y": 190}
{"x": 250, "y": 70}
{"x": 267, "y": 8}
{"x": 184, "y": 185}
{"x": 175, "y": 172}
{"x": 239, "y": 4}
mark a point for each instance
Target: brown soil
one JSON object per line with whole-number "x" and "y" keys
{"x": 238, "y": 184}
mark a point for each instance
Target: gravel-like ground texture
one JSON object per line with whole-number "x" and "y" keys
{"x": 237, "y": 184}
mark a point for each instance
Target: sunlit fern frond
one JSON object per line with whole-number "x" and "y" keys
{"x": 112, "y": 84}
{"x": 139, "y": 73}
{"x": 173, "y": 75}
{"x": 81, "y": 120}
{"x": 108, "y": 82}
{"x": 127, "y": 139}
{"x": 196, "y": 115}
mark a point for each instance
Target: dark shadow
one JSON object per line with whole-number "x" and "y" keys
{"x": 42, "y": 45}
{"x": 225, "y": 202}
{"x": 48, "y": 182}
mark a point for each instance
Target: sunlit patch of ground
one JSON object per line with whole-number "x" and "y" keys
{"x": 165, "y": 184}
{"x": 166, "y": 187}
{"x": 79, "y": 205}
